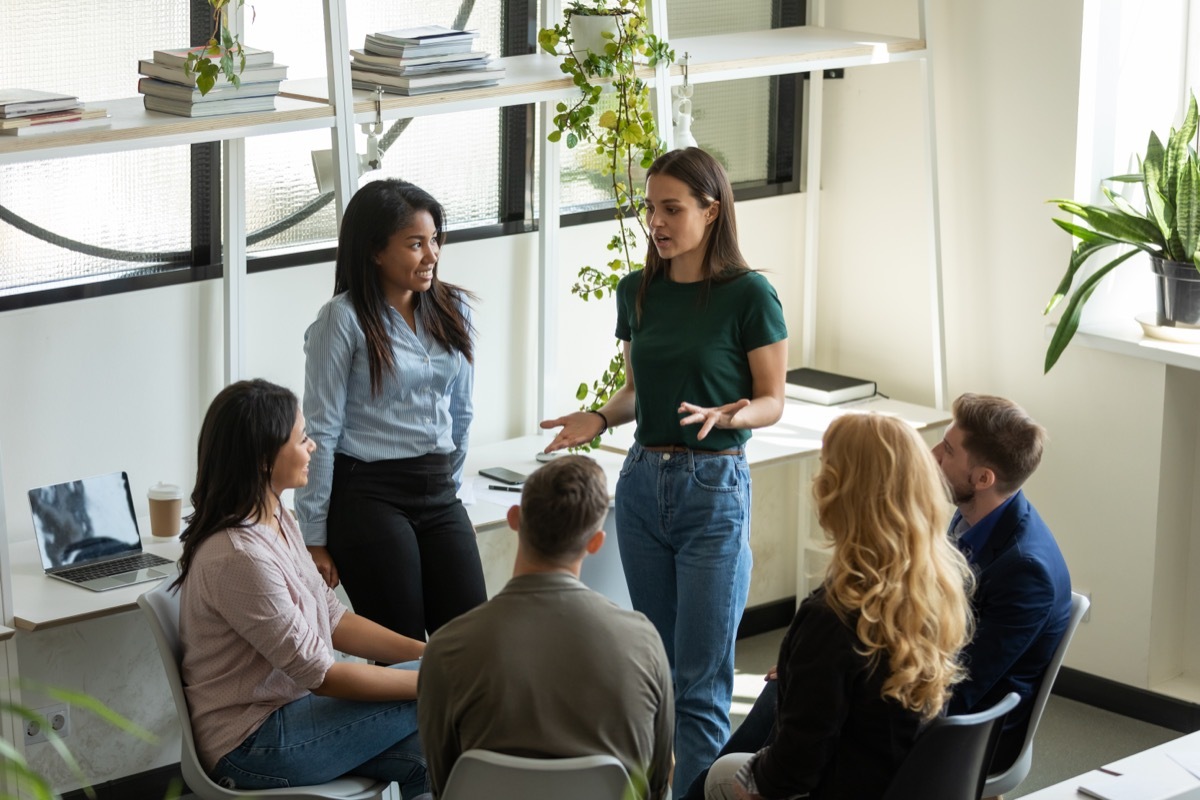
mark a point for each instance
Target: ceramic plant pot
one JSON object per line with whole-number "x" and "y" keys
{"x": 588, "y": 31}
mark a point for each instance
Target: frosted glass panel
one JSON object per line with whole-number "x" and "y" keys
{"x": 455, "y": 157}
{"x": 134, "y": 203}
{"x": 730, "y": 119}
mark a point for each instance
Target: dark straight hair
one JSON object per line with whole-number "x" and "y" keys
{"x": 376, "y": 212}
{"x": 707, "y": 182}
{"x": 246, "y": 425}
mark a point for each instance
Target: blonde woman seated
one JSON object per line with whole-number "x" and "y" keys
{"x": 873, "y": 653}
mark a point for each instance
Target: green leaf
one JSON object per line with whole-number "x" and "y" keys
{"x": 1114, "y": 223}
{"x": 1085, "y": 250}
{"x": 1069, "y": 323}
{"x": 1188, "y": 211}
{"x": 582, "y": 392}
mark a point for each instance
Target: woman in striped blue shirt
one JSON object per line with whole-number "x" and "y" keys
{"x": 387, "y": 395}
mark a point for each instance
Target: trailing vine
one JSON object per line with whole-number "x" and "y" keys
{"x": 620, "y": 127}
{"x": 223, "y": 54}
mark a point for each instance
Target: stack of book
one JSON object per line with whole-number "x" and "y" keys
{"x": 169, "y": 87}
{"x": 24, "y": 112}
{"x": 421, "y": 60}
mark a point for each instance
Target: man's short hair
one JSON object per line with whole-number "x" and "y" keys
{"x": 562, "y": 505}
{"x": 998, "y": 434}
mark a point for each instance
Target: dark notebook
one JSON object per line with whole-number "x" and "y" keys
{"x": 826, "y": 388}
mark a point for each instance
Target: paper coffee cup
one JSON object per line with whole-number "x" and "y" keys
{"x": 166, "y": 509}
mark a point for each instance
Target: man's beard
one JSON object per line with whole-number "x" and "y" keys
{"x": 962, "y": 496}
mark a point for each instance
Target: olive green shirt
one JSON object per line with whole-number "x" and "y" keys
{"x": 691, "y": 345}
{"x": 548, "y": 668}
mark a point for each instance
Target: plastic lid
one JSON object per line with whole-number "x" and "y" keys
{"x": 165, "y": 491}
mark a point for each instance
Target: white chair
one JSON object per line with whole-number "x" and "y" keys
{"x": 485, "y": 775}
{"x": 1011, "y": 778}
{"x": 161, "y": 608}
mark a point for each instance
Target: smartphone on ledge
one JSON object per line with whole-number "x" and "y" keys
{"x": 503, "y": 475}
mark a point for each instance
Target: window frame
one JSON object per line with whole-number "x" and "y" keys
{"x": 518, "y": 148}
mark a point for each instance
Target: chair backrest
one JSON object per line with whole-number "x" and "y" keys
{"x": 161, "y": 608}
{"x": 1008, "y": 780}
{"x": 482, "y": 774}
{"x": 949, "y": 760}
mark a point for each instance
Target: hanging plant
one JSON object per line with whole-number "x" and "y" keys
{"x": 223, "y": 54}
{"x": 620, "y": 127}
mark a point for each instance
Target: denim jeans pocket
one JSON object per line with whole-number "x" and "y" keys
{"x": 632, "y": 457}
{"x": 716, "y": 473}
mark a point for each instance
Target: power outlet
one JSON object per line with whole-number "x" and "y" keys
{"x": 59, "y": 717}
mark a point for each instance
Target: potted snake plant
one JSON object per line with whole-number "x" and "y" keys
{"x": 1166, "y": 228}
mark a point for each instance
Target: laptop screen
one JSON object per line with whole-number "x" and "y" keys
{"x": 84, "y": 520}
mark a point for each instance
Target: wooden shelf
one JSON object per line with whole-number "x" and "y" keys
{"x": 527, "y": 79}
{"x": 537, "y": 78}
{"x": 6, "y": 633}
{"x": 135, "y": 128}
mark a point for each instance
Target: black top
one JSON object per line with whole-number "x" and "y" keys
{"x": 837, "y": 737}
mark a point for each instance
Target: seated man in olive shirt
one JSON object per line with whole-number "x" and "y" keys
{"x": 549, "y": 668}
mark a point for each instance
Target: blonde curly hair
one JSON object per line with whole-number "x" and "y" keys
{"x": 883, "y": 502}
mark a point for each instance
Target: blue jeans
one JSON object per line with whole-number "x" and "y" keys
{"x": 683, "y": 529}
{"x": 756, "y": 732}
{"x": 316, "y": 739}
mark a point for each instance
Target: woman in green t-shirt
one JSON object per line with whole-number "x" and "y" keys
{"x": 705, "y": 355}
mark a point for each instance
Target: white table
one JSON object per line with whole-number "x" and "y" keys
{"x": 41, "y": 602}
{"x": 1147, "y": 763}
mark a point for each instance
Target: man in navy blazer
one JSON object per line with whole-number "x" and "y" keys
{"x": 1022, "y": 600}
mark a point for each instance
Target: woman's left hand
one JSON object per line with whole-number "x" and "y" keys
{"x": 719, "y": 417}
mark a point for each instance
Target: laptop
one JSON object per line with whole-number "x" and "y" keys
{"x": 87, "y": 534}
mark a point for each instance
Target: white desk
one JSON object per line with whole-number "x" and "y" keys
{"x": 41, "y": 602}
{"x": 1146, "y": 762}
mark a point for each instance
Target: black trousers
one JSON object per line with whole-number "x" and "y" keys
{"x": 402, "y": 542}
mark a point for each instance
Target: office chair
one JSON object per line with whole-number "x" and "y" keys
{"x": 949, "y": 760}
{"x": 480, "y": 774}
{"x": 1011, "y": 778}
{"x": 161, "y": 608}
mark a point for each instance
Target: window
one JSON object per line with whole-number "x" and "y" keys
{"x": 157, "y": 219}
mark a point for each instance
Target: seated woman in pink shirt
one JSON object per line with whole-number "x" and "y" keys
{"x": 270, "y": 707}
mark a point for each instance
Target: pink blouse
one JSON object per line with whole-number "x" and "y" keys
{"x": 256, "y": 624}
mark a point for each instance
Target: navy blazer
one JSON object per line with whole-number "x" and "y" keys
{"x": 1022, "y": 605}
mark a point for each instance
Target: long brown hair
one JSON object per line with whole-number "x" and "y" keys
{"x": 883, "y": 501}
{"x": 246, "y": 425}
{"x": 376, "y": 212}
{"x": 707, "y": 182}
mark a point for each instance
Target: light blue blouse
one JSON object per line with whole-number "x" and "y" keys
{"x": 424, "y": 407}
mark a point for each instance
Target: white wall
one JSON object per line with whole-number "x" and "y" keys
{"x": 1006, "y": 77}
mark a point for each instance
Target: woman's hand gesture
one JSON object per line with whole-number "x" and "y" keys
{"x": 579, "y": 427}
{"x": 725, "y": 416}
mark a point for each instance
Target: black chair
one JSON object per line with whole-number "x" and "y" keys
{"x": 950, "y": 759}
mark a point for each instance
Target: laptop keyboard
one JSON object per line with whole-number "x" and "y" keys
{"x": 115, "y": 567}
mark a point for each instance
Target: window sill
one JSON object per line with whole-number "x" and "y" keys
{"x": 1125, "y": 337}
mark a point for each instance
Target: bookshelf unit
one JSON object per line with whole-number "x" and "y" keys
{"x": 332, "y": 104}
